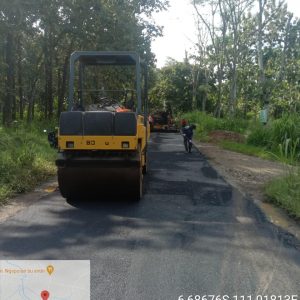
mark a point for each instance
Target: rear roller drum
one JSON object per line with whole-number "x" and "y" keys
{"x": 138, "y": 190}
{"x": 138, "y": 181}
{"x": 66, "y": 183}
{"x": 145, "y": 166}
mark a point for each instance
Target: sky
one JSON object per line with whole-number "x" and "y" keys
{"x": 179, "y": 30}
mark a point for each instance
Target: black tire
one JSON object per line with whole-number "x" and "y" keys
{"x": 186, "y": 144}
{"x": 65, "y": 187}
{"x": 145, "y": 167}
{"x": 190, "y": 146}
{"x": 61, "y": 184}
{"x": 138, "y": 189}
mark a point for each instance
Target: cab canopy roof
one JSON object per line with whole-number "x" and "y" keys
{"x": 94, "y": 58}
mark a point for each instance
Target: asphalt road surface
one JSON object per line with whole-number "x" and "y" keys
{"x": 191, "y": 234}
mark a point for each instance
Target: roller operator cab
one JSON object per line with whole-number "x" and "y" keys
{"x": 103, "y": 137}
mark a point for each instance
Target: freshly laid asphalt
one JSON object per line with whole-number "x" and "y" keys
{"x": 191, "y": 234}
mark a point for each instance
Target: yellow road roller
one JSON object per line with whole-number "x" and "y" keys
{"x": 103, "y": 136}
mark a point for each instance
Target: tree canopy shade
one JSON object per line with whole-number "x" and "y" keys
{"x": 246, "y": 59}
{"x": 175, "y": 85}
{"x": 37, "y": 38}
{"x": 253, "y": 54}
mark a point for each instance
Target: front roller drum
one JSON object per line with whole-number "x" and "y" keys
{"x": 100, "y": 182}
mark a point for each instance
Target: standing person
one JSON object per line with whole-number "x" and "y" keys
{"x": 187, "y": 133}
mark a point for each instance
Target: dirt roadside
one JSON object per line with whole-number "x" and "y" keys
{"x": 22, "y": 201}
{"x": 249, "y": 174}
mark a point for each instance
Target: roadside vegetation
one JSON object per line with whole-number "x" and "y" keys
{"x": 278, "y": 140}
{"x": 285, "y": 192}
{"x": 26, "y": 159}
{"x": 207, "y": 123}
{"x": 248, "y": 150}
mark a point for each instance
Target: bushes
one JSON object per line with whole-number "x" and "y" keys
{"x": 280, "y": 136}
{"x": 285, "y": 192}
{"x": 279, "y": 139}
{"x": 276, "y": 132}
{"x": 25, "y": 159}
{"x": 206, "y": 123}
{"x": 247, "y": 149}
{"x": 259, "y": 136}
{"x": 288, "y": 127}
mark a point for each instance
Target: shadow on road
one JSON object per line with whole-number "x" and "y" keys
{"x": 187, "y": 206}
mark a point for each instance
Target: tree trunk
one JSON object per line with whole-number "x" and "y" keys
{"x": 14, "y": 100}
{"x": 285, "y": 47}
{"x": 196, "y": 73}
{"x": 222, "y": 56}
{"x": 219, "y": 97}
{"x": 261, "y": 67}
{"x": 10, "y": 79}
{"x": 30, "y": 112}
{"x": 48, "y": 64}
{"x": 63, "y": 85}
{"x": 233, "y": 90}
{"x": 30, "y": 108}
{"x": 204, "y": 98}
{"x": 20, "y": 81}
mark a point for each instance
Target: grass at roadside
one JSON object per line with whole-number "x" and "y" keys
{"x": 278, "y": 141}
{"x": 207, "y": 123}
{"x": 285, "y": 192}
{"x": 279, "y": 136}
{"x": 26, "y": 159}
{"x": 259, "y": 152}
{"x": 248, "y": 150}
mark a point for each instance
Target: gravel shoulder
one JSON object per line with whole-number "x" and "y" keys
{"x": 250, "y": 174}
{"x": 23, "y": 201}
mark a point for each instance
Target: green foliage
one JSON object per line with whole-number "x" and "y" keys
{"x": 26, "y": 159}
{"x": 287, "y": 127}
{"x": 37, "y": 38}
{"x": 276, "y": 141}
{"x": 279, "y": 140}
{"x": 280, "y": 136}
{"x": 250, "y": 70}
{"x": 259, "y": 135}
{"x": 248, "y": 150}
{"x": 180, "y": 86}
{"x": 173, "y": 87}
{"x": 285, "y": 192}
{"x": 207, "y": 123}
{"x": 288, "y": 151}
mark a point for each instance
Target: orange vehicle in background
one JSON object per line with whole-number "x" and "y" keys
{"x": 162, "y": 121}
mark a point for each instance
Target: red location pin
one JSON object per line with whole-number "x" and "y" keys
{"x": 45, "y": 295}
